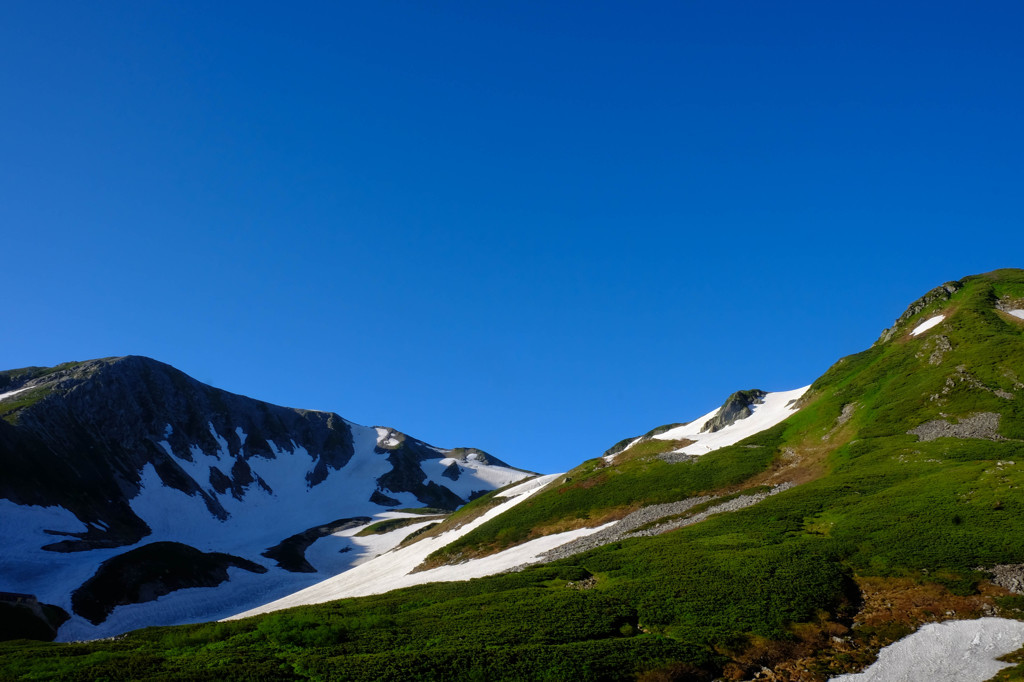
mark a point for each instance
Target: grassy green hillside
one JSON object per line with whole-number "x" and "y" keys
{"x": 885, "y": 529}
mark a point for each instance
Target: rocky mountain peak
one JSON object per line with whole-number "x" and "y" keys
{"x": 737, "y": 406}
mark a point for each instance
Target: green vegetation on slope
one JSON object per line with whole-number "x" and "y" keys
{"x": 593, "y": 493}
{"x": 722, "y": 597}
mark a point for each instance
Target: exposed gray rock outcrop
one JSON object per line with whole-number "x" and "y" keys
{"x": 1010, "y": 576}
{"x": 981, "y": 425}
{"x": 1007, "y": 303}
{"x": 940, "y": 293}
{"x": 677, "y": 457}
{"x": 938, "y": 346}
{"x": 641, "y": 522}
{"x": 846, "y": 414}
{"x": 962, "y": 376}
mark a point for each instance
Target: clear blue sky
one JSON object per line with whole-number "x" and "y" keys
{"x": 533, "y": 228}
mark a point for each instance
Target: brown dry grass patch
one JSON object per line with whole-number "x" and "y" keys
{"x": 891, "y": 608}
{"x": 908, "y": 602}
{"x": 563, "y": 525}
{"x": 806, "y": 461}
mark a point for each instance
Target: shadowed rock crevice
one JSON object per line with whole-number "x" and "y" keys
{"x": 149, "y": 572}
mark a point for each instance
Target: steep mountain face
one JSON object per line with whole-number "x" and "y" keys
{"x": 127, "y": 462}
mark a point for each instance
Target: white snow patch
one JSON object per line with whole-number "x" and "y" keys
{"x": 369, "y": 547}
{"x": 4, "y": 396}
{"x": 927, "y": 324}
{"x": 952, "y": 651}
{"x": 776, "y": 407}
{"x": 386, "y": 438}
{"x": 259, "y": 521}
{"x": 1015, "y": 313}
{"x": 526, "y": 553}
{"x": 474, "y": 475}
{"x": 394, "y": 570}
{"x": 25, "y": 566}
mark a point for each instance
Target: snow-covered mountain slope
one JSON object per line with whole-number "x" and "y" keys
{"x": 743, "y": 414}
{"x": 738, "y": 418}
{"x": 124, "y": 480}
{"x": 395, "y": 569}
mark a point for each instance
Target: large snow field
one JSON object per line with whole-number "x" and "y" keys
{"x": 776, "y": 407}
{"x": 259, "y": 521}
{"x": 394, "y": 569}
{"x": 951, "y": 651}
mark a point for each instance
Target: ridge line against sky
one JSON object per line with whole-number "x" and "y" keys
{"x": 535, "y": 230}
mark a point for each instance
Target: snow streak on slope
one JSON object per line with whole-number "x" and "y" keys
{"x": 927, "y": 324}
{"x": 394, "y": 570}
{"x": 775, "y": 408}
{"x": 4, "y": 396}
{"x": 953, "y": 651}
{"x": 1015, "y": 313}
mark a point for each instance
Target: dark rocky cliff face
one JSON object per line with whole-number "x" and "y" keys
{"x": 79, "y": 437}
{"x": 111, "y": 440}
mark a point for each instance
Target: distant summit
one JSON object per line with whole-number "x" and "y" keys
{"x": 104, "y": 457}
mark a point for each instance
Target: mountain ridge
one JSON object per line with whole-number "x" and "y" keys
{"x": 896, "y": 481}
{"x": 118, "y": 454}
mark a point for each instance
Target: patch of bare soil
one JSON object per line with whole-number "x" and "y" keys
{"x": 891, "y": 608}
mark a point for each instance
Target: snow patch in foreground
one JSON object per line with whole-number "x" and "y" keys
{"x": 927, "y": 324}
{"x": 1015, "y": 313}
{"x": 952, "y": 651}
{"x": 776, "y": 407}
